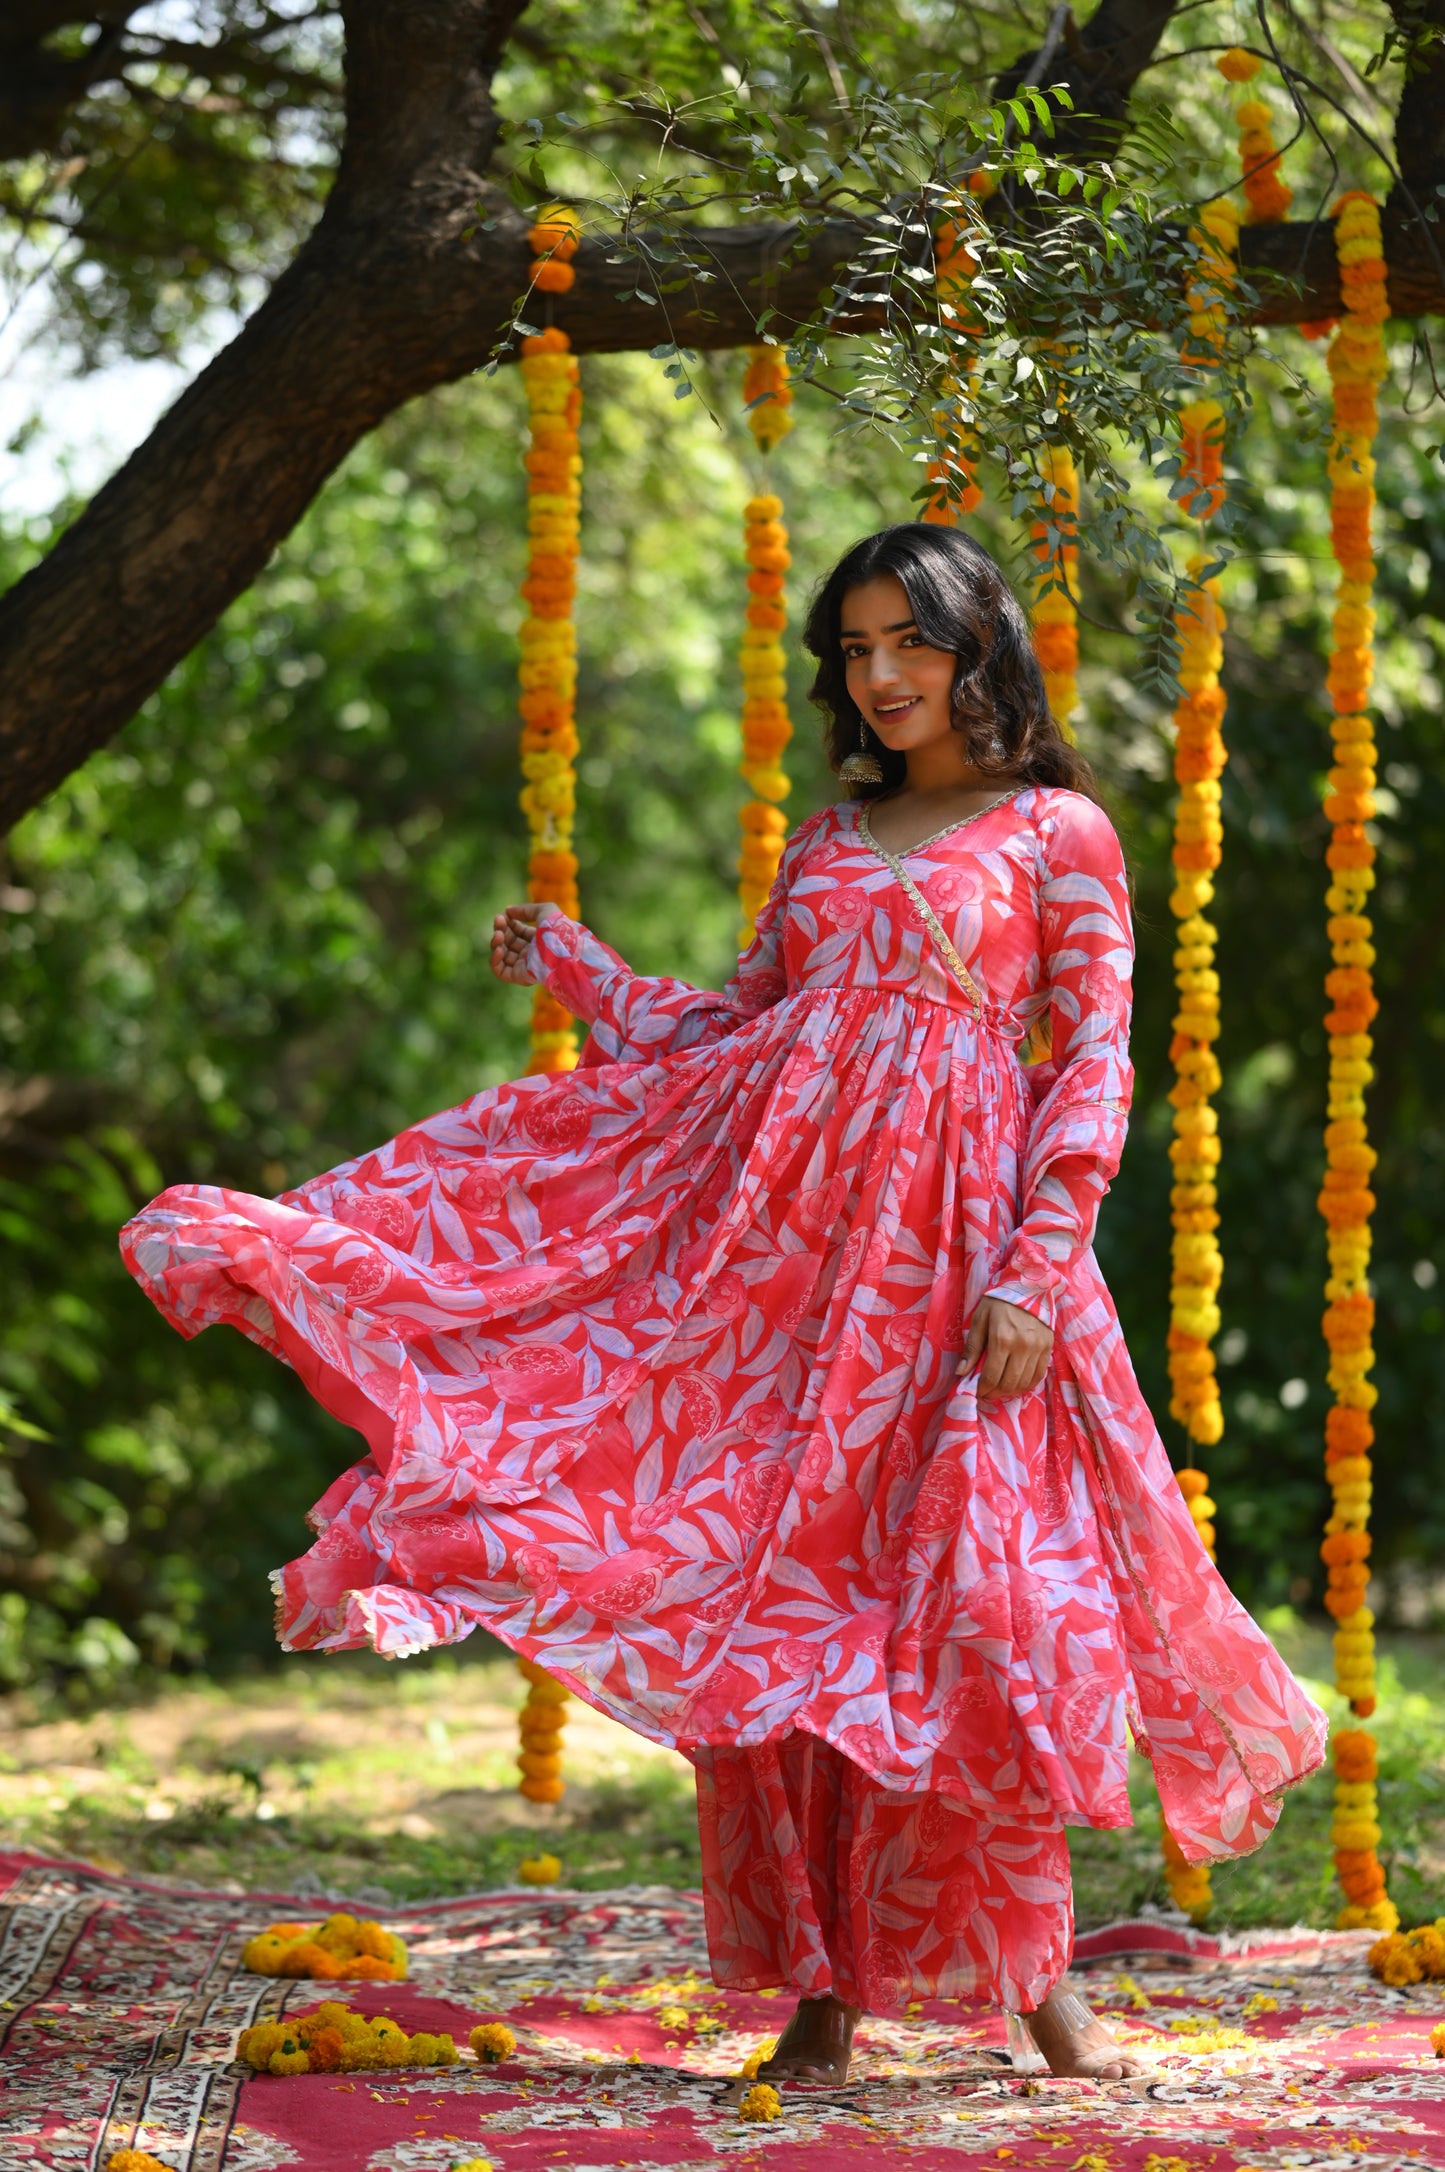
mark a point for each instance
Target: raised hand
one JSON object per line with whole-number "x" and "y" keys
{"x": 512, "y": 933}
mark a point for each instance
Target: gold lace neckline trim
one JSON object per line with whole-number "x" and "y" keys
{"x": 863, "y": 824}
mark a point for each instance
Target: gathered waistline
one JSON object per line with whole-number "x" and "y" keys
{"x": 989, "y": 1015}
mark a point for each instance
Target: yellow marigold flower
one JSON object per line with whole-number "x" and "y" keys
{"x": 1393, "y": 1962}
{"x": 758, "y": 2058}
{"x": 1428, "y": 1946}
{"x": 492, "y": 2042}
{"x": 255, "y": 2045}
{"x": 761, "y": 2102}
{"x": 539, "y": 1869}
{"x": 134, "y": 2160}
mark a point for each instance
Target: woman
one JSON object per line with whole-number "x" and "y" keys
{"x": 758, "y": 1380}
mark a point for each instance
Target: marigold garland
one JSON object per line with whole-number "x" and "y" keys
{"x": 1199, "y": 758}
{"x": 334, "y": 2039}
{"x": 1200, "y": 755}
{"x": 1197, "y": 1265}
{"x": 548, "y": 670}
{"x": 541, "y": 1720}
{"x": 1268, "y": 196}
{"x": 766, "y": 725}
{"x": 1357, "y": 365}
{"x": 548, "y": 675}
{"x": 952, "y": 470}
{"x": 1189, "y": 1883}
{"x": 1056, "y": 617}
{"x": 342, "y": 1946}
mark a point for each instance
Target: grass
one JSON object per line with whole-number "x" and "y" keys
{"x": 346, "y": 1776}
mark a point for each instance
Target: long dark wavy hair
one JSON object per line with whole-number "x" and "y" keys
{"x": 960, "y": 602}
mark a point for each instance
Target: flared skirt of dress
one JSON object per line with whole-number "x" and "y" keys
{"x": 657, "y": 1363}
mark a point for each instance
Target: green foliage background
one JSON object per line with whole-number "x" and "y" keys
{"x": 250, "y": 940}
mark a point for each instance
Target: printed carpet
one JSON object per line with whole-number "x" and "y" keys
{"x": 120, "y": 2003}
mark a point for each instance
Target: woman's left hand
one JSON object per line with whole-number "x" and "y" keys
{"x": 513, "y": 932}
{"x": 1014, "y": 1346}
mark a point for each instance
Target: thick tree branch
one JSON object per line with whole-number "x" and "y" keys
{"x": 1099, "y": 66}
{"x": 398, "y": 290}
{"x": 38, "y": 86}
{"x": 1420, "y": 122}
{"x": 394, "y": 293}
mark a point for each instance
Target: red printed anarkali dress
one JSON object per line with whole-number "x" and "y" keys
{"x": 657, "y": 1365}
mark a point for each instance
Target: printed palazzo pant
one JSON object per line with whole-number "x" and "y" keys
{"x": 817, "y": 1879}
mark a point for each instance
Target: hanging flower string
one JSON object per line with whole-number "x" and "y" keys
{"x": 1199, "y": 756}
{"x": 1268, "y": 197}
{"x": 952, "y": 469}
{"x": 1357, "y": 366}
{"x": 549, "y": 749}
{"x": 542, "y": 1719}
{"x": 1199, "y": 760}
{"x": 1056, "y": 617}
{"x": 549, "y": 641}
{"x": 766, "y": 725}
{"x": 1197, "y": 1264}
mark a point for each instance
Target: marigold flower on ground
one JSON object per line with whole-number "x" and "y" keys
{"x": 334, "y": 2039}
{"x": 1428, "y": 1946}
{"x": 341, "y": 1947}
{"x": 1393, "y": 1961}
{"x": 492, "y": 2042}
{"x": 758, "y": 2058}
{"x": 761, "y": 2102}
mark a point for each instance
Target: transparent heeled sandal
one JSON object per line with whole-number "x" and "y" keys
{"x": 1024, "y": 2054}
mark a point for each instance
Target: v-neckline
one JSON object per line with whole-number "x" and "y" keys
{"x": 865, "y": 828}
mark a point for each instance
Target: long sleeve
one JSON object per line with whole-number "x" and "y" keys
{"x": 1077, "y": 1133}
{"x": 634, "y": 1019}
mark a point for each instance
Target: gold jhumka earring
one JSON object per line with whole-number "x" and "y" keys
{"x": 863, "y": 767}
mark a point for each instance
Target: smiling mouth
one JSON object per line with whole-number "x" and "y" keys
{"x": 896, "y": 708}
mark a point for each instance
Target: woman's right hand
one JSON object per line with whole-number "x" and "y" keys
{"x": 512, "y": 934}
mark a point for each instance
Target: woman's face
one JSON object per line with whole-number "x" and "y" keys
{"x": 901, "y": 684}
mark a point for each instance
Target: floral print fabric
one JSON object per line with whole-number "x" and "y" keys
{"x": 656, "y": 1362}
{"x": 817, "y": 1878}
